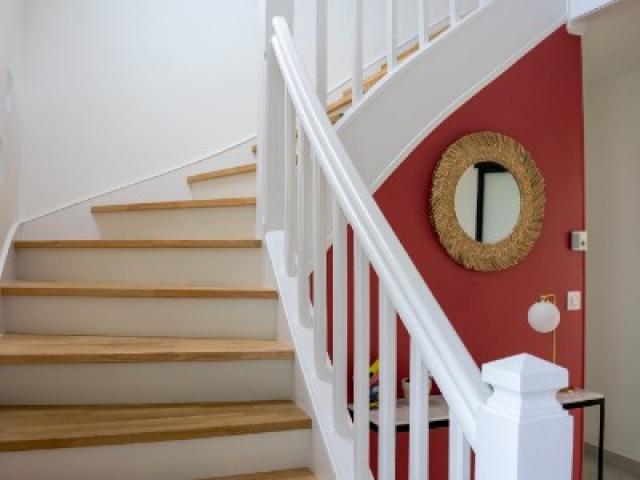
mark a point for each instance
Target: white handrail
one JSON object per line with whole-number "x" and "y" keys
{"x": 453, "y": 368}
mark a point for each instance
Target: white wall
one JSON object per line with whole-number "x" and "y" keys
{"x": 11, "y": 57}
{"x": 118, "y": 90}
{"x": 612, "y": 121}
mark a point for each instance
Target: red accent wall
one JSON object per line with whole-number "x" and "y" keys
{"x": 538, "y": 101}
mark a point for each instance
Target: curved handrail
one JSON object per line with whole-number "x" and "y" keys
{"x": 457, "y": 374}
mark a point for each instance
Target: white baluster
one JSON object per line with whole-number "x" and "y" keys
{"x": 454, "y": 15}
{"x": 388, "y": 386}
{"x": 392, "y": 35}
{"x": 459, "y": 451}
{"x": 321, "y": 50}
{"x": 340, "y": 319}
{"x": 361, "y": 361}
{"x": 418, "y": 417}
{"x": 270, "y": 126}
{"x": 304, "y": 222}
{"x": 356, "y": 83}
{"x": 423, "y": 23}
{"x": 290, "y": 202}
{"x": 320, "y": 272}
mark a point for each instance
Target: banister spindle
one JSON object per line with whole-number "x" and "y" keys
{"x": 321, "y": 50}
{"x": 418, "y": 417}
{"x": 290, "y": 203}
{"x": 340, "y": 318}
{"x": 454, "y": 14}
{"x": 392, "y": 35}
{"x": 304, "y": 222}
{"x": 423, "y": 23}
{"x": 387, "y": 395}
{"x": 361, "y": 361}
{"x": 459, "y": 451}
{"x": 320, "y": 271}
{"x": 356, "y": 83}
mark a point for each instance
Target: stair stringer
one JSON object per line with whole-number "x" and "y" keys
{"x": 332, "y": 450}
{"x": 406, "y": 106}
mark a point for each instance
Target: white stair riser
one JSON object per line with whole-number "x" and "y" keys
{"x": 241, "y": 185}
{"x": 179, "y": 317}
{"x": 172, "y": 460}
{"x": 170, "y": 382}
{"x": 188, "y": 266}
{"x": 189, "y": 223}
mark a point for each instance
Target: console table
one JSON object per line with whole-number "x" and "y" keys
{"x": 439, "y": 415}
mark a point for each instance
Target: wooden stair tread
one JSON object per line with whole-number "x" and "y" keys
{"x": 88, "y": 289}
{"x": 47, "y": 427}
{"x": 225, "y": 172}
{"x": 295, "y": 474}
{"x": 248, "y": 243}
{"x": 40, "y": 349}
{"x": 174, "y": 205}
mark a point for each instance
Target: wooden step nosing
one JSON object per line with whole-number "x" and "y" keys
{"x": 175, "y": 205}
{"x": 137, "y": 244}
{"x": 153, "y": 436}
{"x": 72, "y": 358}
{"x": 222, "y": 173}
{"x": 133, "y": 291}
{"x": 291, "y": 474}
{"x": 33, "y": 427}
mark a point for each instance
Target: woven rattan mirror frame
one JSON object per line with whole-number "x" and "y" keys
{"x": 467, "y": 151}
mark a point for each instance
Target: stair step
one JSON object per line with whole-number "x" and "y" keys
{"x": 295, "y": 474}
{"x": 32, "y": 349}
{"x": 206, "y": 263}
{"x": 34, "y": 428}
{"x": 174, "y": 205}
{"x": 225, "y": 172}
{"x": 86, "y": 289}
{"x": 230, "y": 243}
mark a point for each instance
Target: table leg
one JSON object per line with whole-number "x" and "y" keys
{"x": 601, "y": 443}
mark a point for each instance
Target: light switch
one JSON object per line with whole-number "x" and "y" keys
{"x": 574, "y": 300}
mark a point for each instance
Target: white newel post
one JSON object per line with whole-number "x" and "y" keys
{"x": 523, "y": 433}
{"x": 270, "y": 172}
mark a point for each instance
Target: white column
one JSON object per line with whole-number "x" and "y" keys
{"x": 523, "y": 432}
{"x": 270, "y": 120}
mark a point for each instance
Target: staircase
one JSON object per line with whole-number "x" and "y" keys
{"x": 151, "y": 354}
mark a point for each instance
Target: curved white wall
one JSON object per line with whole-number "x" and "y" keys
{"x": 118, "y": 90}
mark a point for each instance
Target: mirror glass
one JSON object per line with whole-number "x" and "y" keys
{"x": 487, "y": 202}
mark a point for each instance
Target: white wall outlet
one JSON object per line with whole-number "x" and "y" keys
{"x": 574, "y": 300}
{"x": 579, "y": 241}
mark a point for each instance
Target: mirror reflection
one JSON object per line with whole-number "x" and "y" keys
{"x": 487, "y": 202}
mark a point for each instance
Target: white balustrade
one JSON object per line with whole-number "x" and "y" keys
{"x": 303, "y": 169}
{"x": 423, "y": 23}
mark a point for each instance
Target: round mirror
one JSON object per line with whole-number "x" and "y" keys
{"x": 487, "y": 202}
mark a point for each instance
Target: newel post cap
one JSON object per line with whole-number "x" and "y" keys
{"x": 525, "y": 373}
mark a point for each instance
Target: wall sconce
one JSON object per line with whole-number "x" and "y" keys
{"x": 544, "y": 317}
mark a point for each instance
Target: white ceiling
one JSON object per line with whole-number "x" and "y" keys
{"x": 611, "y": 43}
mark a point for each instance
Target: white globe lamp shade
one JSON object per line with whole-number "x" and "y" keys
{"x": 544, "y": 317}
